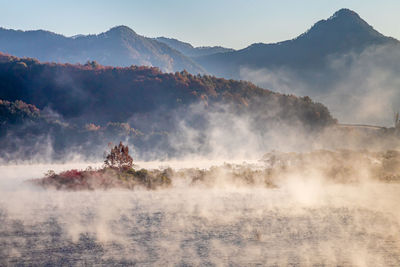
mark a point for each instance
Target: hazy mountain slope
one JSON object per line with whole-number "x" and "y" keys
{"x": 120, "y": 46}
{"x": 104, "y": 94}
{"x": 190, "y": 51}
{"x": 83, "y": 107}
{"x": 27, "y": 132}
{"x": 345, "y": 31}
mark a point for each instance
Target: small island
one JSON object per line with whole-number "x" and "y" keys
{"x": 117, "y": 172}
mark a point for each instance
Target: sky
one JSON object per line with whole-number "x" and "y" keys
{"x": 228, "y": 23}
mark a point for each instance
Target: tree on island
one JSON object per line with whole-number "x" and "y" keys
{"x": 119, "y": 158}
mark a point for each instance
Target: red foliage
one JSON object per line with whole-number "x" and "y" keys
{"x": 71, "y": 174}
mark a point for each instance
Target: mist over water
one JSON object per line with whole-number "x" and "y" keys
{"x": 304, "y": 221}
{"x": 233, "y": 215}
{"x": 224, "y": 172}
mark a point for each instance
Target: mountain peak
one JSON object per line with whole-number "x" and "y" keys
{"x": 347, "y": 18}
{"x": 345, "y": 13}
{"x": 121, "y": 29}
{"x": 344, "y": 24}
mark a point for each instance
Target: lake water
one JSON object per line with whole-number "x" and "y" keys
{"x": 302, "y": 223}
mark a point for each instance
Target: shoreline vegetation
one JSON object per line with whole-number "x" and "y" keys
{"x": 334, "y": 167}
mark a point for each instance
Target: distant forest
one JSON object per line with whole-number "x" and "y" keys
{"x": 77, "y": 106}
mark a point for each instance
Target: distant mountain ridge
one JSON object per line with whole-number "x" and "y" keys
{"x": 343, "y": 32}
{"x": 119, "y": 46}
{"x": 189, "y": 50}
{"x": 341, "y": 61}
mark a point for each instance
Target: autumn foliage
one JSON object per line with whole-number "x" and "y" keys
{"x": 139, "y": 90}
{"x": 119, "y": 158}
{"x": 79, "y": 108}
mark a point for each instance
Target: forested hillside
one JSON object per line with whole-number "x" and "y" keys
{"x": 86, "y": 106}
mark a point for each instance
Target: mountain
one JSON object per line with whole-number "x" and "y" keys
{"x": 342, "y": 62}
{"x": 81, "y": 108}
{"x": 190, "y": 51}
{"x": 342, "y": 33}
{"x": 120, "y": 46}
{"x": 101, "y": 94}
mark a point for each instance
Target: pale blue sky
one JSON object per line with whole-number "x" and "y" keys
{"x": 230, "y": 23}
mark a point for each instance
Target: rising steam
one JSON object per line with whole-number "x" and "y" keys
{"x": 320, "y": 208}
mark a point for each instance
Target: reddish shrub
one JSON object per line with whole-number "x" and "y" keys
{"x": 71, "y": 174}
